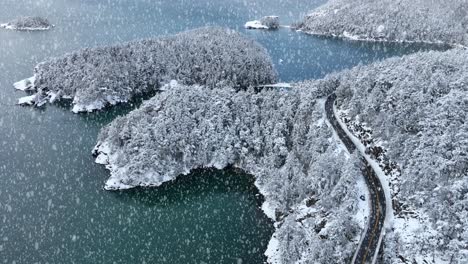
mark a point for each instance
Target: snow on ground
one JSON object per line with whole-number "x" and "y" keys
{"x": 277, "y": 85}
{"x": 53, "y": 96}
{"x": 350, "y": 36}
{"x": 27, "y": 100}
{"x": 102, "y": 157}
{"x": 96, "y": 105}
{"x": 115, "y": 184}
{"x": 272, "y": 252}
{"x": 6, "y": 26}
{"x": 409, "y": 230}
{"x": 255, "y": 24}
{"x": 26, "y": 84}
{"x": 363, "y": 205}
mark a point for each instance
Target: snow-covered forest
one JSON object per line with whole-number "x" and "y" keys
{"x": 389, "y": 20}
{"x": 279, "y": 136}
{"x": 416, "y": 108}
{"x": 96, "y": 77}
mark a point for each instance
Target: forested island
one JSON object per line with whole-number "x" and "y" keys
{"x": 28, "y": 24}
{"x": 401, "y": 21}
{"x": 267, "y": 22}
{"x": 95, "y": 77}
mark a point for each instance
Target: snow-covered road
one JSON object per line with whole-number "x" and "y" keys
{"x": 372, "y": 236}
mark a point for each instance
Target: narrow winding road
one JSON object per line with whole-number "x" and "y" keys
{"x": 368, "y": 248}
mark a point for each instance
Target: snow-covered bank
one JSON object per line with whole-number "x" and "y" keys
{"x": 96, "y": 77}
{"x": 276, "y": 135}
{"x": 388, "y": 20}
{"x": 268, "y": 22}
{"x": 28, "y": 24}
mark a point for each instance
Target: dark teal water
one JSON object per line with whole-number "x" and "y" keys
{"x": 52, "y": 206}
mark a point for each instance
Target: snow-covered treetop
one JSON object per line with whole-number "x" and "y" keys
{"x": 212, "y": 56}
{"x": 28, "y": 23}
{"x": 403, "y": 20}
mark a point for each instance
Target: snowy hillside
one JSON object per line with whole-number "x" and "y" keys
{"x": 413, "y": 111}
{"x": 279, "y": 136}
{"x": 402, "y": 20}
{"x": 95, "y": 77}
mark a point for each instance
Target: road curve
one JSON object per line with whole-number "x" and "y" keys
{"x": 368, "y": 248}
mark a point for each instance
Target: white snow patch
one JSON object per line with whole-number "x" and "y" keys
{"x": 268, "y": 208}
{"x": 255, "y": 24}
{"x": 27, "y": 100}
{"x": 272, "y": 252}
{"x": 78, "y": 108}
{"x": 276, "y": 85}
{"x": 32, "y": 29}
{"x": 267, "y": 22}
{"x": 350, "y": 36}
{"x": 409, "y": 230}
{"x": 347, "y": 35}
{"x": 173, "y": 83}
{"x": 53, "y": 97}
{"x": 116, "y": 184}
{"x": 320, "y": 122}
{"x": 102, "y": 159}
{"x": 380, "y": 28}
{"x": 96, "y": 105}
{"x": 363, "y": 206}
{"x": 26, "y": 84}
{"x": 6, "y": 26}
